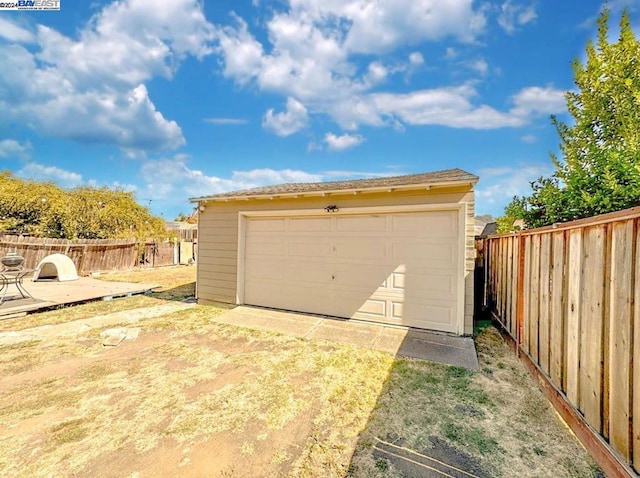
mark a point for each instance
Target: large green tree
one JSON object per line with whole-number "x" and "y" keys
{"x": 46, "y": 210}
{"x": 599, "y": 170}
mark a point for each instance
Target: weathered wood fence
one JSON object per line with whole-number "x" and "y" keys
{"x": 569, "y": 296}
{"x": 92, "y": 255}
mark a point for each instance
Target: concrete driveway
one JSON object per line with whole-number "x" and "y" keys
{"x": 405, "y": 342}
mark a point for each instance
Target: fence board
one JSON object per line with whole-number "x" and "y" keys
{"x": 514, "y": 286}
{"x": 636, "y": 353}
{"x": 509, "y": 292}
{"x": 591, "y": 317}
{"x": 527, "y": 296}
{"x": 534, "y": 306}
{"x": 500, "y": 278}
{"x": 543, "y": 329}
{"x": 574, "y": 294}
{"x": 556, "y": 316}
{"x": 620, "y": 328}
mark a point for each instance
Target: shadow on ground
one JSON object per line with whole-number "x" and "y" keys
{"x": 434, "y": 420}
{"x": 179, "y": 293}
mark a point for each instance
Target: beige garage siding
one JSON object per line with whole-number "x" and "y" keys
{"x": 218, "y": 234}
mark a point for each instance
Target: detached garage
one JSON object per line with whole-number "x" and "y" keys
{"x": 395, "y": 250}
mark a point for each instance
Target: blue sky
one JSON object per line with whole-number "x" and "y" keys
{"x": 180, "y": 98}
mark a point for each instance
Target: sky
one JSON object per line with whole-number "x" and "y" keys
{"x": 174, "y": 99}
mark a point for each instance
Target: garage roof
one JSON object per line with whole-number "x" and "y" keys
{"x": 447, "y": 177}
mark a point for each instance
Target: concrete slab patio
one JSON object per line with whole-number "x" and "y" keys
{"x": 52, "y": 293}
{"x": 404, "y": 342}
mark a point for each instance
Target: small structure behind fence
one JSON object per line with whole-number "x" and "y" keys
{"x": 93, "y": 255}
{"x": 569, "y": 296}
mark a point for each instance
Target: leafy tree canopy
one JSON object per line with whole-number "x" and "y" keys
{"x": 600, "y": 167}
{"x": 46, "y": 210}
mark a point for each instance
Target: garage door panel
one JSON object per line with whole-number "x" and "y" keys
{"x": 309, "y": 249}
{"x": 427, "y": 285}
{"x": 286, "y": 296}
{"x": 310, "y": 224}
{"x": 266, "y": 225}
{"x": 313, "y": 273}
{"x": 258, "y": 248}
{"x": 360, "y": 224}
{"x": 439, "y": 224}
{"x": 368, "y": 276}
{"x": 426, "y": 316}
{"x": 423, "y": 254}
{"x": 356, "y": 249}
{"x": 266, "y": 269}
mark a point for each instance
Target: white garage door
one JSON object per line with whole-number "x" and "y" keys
{"x": 397, "y": 268}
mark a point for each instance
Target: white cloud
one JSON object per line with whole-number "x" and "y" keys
{"x": 479, "y": 66}
{"x": 345, "y": 141}
{"x": 309, "y": 45}
{"x": 309, "y": 55}
{"x": 442, "y": 106}
{"x": 290, "y": 121}
{"x": 383, "y": 25}
{"x": 92, "y": 88}
{"x": 10, "y": 148}
{"x": 416, "y": 58}
{"x": 40, "y": 172}
{"x": 14, "y": 32}
{"x": 241, "y": 52}
{"x": 536, "y": 100}
{"x": 377, "y": 72}
{"x": 513, "y": 16}
{"x": 529, "y": 138}
{"x": 227, "y": 121}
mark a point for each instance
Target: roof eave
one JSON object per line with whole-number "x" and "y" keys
{"x": 404, "y": 187}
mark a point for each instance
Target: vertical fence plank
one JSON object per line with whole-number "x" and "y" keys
{"x": 508, "y": 284}
{"x": 534, "y": 307}
{"x": 543, "y": 330}
{"x": 526, "y": 287}
{"x": 556, "y": 311}
{"x": 574, "y": 294}
{"x": 635, "y": 346}
{"x": 591, "y": 327}
{"x": 514, "y": 286}
{"x": 620, "y": 331}
{"x": 493, "y": 264}
{"x": 500, "y": 277}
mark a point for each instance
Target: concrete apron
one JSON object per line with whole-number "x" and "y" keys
{"x": 404, "y": 342}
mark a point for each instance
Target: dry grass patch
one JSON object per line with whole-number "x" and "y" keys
{"x": 494, "y": 422}
{"x": 190, "y": 395}
{"x": 176, "y": 282}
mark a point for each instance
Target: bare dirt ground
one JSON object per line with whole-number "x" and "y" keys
{"x": 192, "y": 397}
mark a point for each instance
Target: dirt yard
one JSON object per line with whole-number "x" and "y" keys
{"x": 192, "y": 397}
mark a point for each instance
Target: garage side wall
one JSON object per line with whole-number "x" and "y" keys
{"x": 218, "y": 235}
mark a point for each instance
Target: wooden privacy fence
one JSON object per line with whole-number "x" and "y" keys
{"x": 92, "y": 255}
{"x": 569, "y": 296}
